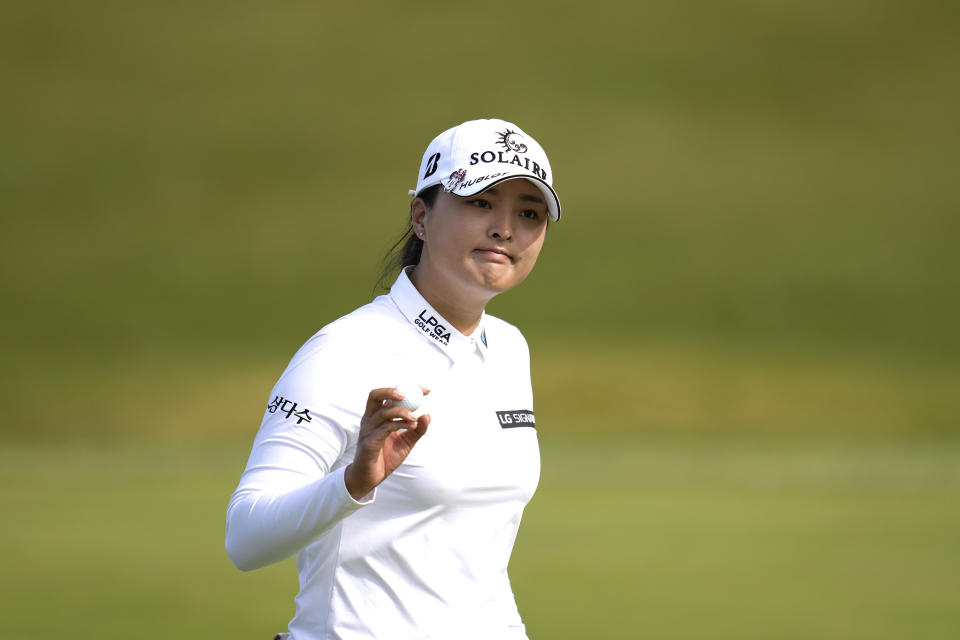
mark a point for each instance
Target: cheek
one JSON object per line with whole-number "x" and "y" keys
{"x": 534, "y": 244}
{"x": 446, "y": 237}
{"x": 528, "y": 258}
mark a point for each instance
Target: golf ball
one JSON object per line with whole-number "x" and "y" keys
{"x": 412, "y": 396}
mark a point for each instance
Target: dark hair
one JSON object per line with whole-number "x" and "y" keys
{"x": 406, "y": 251}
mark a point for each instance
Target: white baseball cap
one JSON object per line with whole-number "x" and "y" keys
{"x": 478, "y": 154}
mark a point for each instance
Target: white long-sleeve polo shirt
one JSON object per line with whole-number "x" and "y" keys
{"x": 425, "y": 555}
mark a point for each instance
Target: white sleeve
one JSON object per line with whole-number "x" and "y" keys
{"x": 293, "y": 490}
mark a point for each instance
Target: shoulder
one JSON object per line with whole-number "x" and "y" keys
{"x": 364, "y": 328}
{"x": 502, "y": 328}
{"x": 348, "y": 342}
{"x": 505, "y": 337}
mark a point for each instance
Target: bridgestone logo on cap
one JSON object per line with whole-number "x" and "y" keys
{"x": 432, "y": 164}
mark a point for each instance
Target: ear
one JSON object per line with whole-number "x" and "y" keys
{"x": 418, "y": 213}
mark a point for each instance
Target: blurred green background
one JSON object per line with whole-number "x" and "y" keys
{"x": 744, "y": 339}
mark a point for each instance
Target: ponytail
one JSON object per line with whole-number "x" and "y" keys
{"x": 406, "y": 251}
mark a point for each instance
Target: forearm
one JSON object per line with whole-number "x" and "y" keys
{"x": 264, "y": 527}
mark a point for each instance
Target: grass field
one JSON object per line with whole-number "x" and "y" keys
{"x": 648, "y": 538}
{"x": 744, "y": 339}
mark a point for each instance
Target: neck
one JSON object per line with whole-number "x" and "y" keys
{"x": 448, "y": 298}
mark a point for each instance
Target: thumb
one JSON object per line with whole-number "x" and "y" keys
{"x": 422, "y": 423}
{"x": 418, "y": 430}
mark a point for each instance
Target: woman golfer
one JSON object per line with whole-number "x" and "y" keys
{"x": 403, "y": 521}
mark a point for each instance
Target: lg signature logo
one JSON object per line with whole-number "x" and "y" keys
{"x": 516, "y": 418}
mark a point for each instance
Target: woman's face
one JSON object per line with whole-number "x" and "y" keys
{"x": 486, "y": 243}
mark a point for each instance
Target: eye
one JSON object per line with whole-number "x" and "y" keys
{"x": 530, "y": 214}
{"x": 480, "y": 202}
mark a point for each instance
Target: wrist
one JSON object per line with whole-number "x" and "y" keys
{"x": 354, "y": 487}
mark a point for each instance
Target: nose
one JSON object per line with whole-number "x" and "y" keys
{"x": 500, "y": 225}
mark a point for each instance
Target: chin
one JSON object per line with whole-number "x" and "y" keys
{"x": 500, "y": 285}
{"x": 497, "y": 278}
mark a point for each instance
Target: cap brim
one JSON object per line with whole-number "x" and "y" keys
{"x": 549, "y": 195}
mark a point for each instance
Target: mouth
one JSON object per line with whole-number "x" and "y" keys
{"x": 496, "y": 254}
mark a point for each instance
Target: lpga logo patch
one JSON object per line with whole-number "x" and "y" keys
{"x": 516, "y": 418}
{"x": 432, "y": 327}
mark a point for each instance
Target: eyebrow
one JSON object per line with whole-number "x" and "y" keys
{"x": 524, "y": 196}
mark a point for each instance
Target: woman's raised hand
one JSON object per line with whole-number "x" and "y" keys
{"x": 387, "y": 435}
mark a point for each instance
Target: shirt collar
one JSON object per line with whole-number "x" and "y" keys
{"x": 431, "y": 325}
